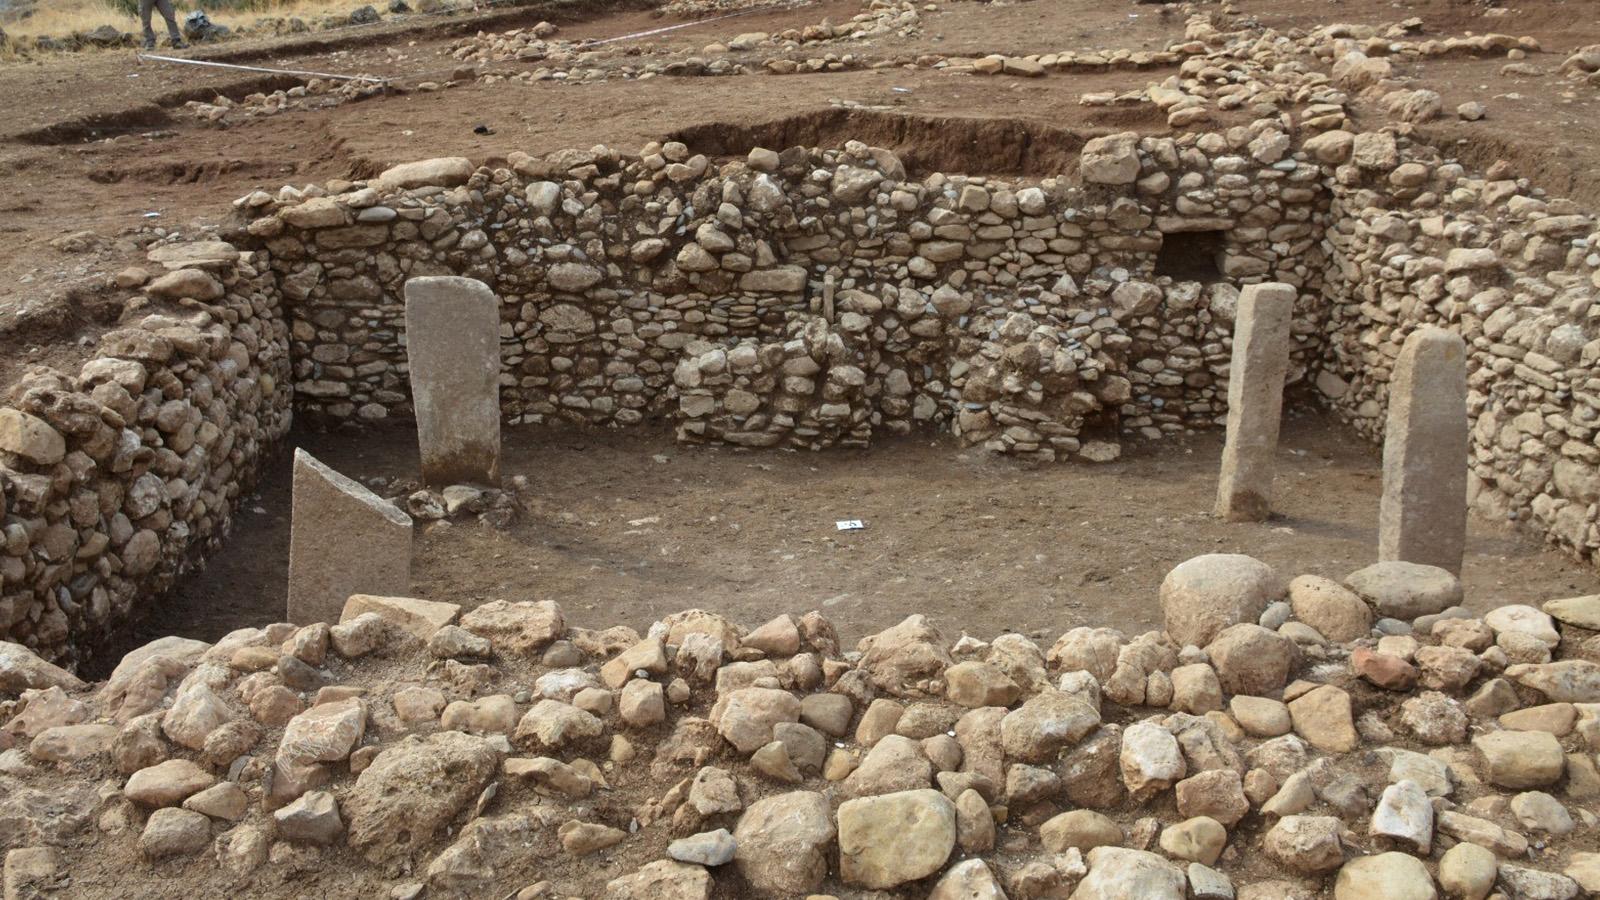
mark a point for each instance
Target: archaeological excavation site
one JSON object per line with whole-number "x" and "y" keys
{"x": 819, "y": 449}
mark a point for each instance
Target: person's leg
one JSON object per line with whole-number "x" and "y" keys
{"x": 145, "y": 8}
{"x": 172, "y": 21}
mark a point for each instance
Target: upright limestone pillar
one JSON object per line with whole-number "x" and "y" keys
{"x": 453, "y": 348}
{"x": 1423, "y": 515}
{"x": 1255, "y": 400}
{"x": 343, "y": 540}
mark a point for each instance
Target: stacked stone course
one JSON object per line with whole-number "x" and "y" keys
{"x": 115, "y": 480}
{"x": 811, "y": 297}
{"x": 1419, "y": 241}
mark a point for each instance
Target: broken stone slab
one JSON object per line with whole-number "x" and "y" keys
{"x": 343, "y": 540}
{"x": 453, "y": 349}
{"x": 1422, "y": 517}
{"x": 420, "y": 618}
{"x": 1255, "y": 401}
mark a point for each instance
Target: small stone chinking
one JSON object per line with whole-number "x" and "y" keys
{"x": 1276, "y": 739}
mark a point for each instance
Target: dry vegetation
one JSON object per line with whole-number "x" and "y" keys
{"x": 63, "y": 17}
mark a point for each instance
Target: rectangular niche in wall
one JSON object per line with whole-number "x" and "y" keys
{"x": 1191, "y": 256}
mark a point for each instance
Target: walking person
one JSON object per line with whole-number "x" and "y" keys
{"x": 174, "y": 37}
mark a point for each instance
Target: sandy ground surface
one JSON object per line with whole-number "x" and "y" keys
{"x": 622, "y": 529}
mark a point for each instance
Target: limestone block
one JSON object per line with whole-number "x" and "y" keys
{"x": 343, "y": 540}
{"x": 1422, "y": 517}
{"x": 453, "y": 349}
{"x": 1255, "y": 401}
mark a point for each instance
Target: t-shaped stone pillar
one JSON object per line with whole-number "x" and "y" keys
{"x": 343, "y": 540}
{"x": 1423, "y": 515}
{"x": 1255, "y": 400}
{"x": 453, "y": 349}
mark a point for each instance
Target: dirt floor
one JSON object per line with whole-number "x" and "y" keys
{"x": 625, "y": 528}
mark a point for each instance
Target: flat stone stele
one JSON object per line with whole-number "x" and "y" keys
{"x": 453, "y": 350}
{"x": 343, "y": 540}
{"x": 1255, "y": 401}
{"x": 1422, "y": 517}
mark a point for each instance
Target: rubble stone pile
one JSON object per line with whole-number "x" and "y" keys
{"x": 1368, "y": 738}
{"x": 808, "y": 297}
{"x": 316, "y": 93}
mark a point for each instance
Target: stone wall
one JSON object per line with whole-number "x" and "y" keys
{"x": 811, "y": 297}
{"x": 1420, "y": 241}
{"x": 115, "y": 480}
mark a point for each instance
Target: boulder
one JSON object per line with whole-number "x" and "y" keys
{"x": 418, "y": 618}
{"x": 976, "y": 684}
{"x": 1250, "y": 659}
{"x": 1049, "y": 722}
{"x": 1567, "y": 681}
{"x": 662, "y": 880}
{"x": 1405, "y": 814}
{"x": 1204, "y": 595}
{"x": 708, "y": 848}
{"x": 894, "y": 764}
{"x": 1306, "y": 844}
{"x": 1323, "y": 717}
{"x": 1336, "y": 612}
{"x": 168, "y": 783}
{"x": 1467, "y": 871}
{"x": 1386, "y": 876}
{"x": 1521, "y": 759}
{"x": 1582, "y": 612}
{"x": 968, "y": 880}
{"x": 1150, "y": 759}
{"x": 782, "y": 843}
{"x": 442, "y": 172}
{"x": 907, "y": 660}
{"x": 311, "y": 819}
{"x": 21, "y": 669}
{"x": 1116, "y": 873}
{"x": 174, "y": 832}
{"x": 891, "y": 839}
{"x": 1403, "y": 590}
{"x": 746, "y": 716}
{"x": 1112, "y": 159}
{"x": 517, "y": 627}
{"x": 551, "y": 725}
{"x": 1084, "y": 829}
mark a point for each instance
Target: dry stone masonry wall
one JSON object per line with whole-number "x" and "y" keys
{"x": 1418, "y": 240}
{"x": 813, "y": 297}
{"x": 116, "y": 479}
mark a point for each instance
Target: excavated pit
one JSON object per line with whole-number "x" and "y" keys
{"x": 925, "y": 144}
